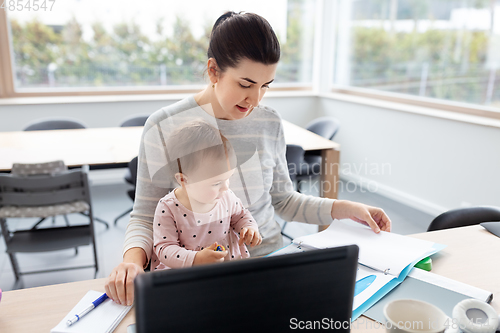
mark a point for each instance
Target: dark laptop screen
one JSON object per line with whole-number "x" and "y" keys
{"x": 271, "y": 294}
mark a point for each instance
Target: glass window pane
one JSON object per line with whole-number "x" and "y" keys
{"x": 446, "y": 49}
{"x": 117, "y": 43}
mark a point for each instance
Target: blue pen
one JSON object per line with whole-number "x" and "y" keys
{"x": 92, "y": 306}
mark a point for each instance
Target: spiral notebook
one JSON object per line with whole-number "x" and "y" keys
{"x": 103, "y": 318}
{"x": 385, "y": 259}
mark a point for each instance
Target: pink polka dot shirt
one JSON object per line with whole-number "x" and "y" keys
{"x": 178, "y": 233}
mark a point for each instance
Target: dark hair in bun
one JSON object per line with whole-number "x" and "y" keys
{"x": 237, "y": 36}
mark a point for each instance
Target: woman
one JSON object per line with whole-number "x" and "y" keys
{"x": 243, "y": 55}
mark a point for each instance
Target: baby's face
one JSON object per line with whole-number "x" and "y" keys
{"x": 208, "y": 191}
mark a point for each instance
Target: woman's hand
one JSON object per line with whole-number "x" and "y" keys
{"x": 250, "y": 236}
{"x": 373, "y": 217}
{"x": 120, "y": 283}
{"x": 208, "y": 255}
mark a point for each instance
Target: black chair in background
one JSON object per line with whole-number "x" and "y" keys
{"x": 295, "y": 161}
{"x": 54, "y": 124}
{"x": 135, "y": 120}
{"x": 463, "y": 217}
{"x": 326, "y": 127}
{"x": 130, "y": 178}
{"x": 59, "y": 124}
{"x": 132, "y": 121}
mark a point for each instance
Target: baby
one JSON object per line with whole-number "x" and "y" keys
{"x": 201, "y": 221}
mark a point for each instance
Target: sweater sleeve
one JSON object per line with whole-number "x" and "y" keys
{"x": 289, "y": 204}
{"x": 166, "y": 239}
{"x": 139, "y": 233}
{"x": 241, "y": 217}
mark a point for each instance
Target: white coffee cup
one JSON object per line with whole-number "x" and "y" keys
{"x": 412, "y": 316}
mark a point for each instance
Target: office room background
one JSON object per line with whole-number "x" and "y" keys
{"x": 415, "y": 85}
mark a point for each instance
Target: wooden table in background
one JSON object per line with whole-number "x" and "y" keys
{"x": 472, "y": 257}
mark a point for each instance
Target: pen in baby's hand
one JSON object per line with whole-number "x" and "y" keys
{"x": 92, "y": 306}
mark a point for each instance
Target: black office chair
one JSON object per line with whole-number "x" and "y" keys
{"x": 326, "y": 127}
{"x": 54, "y": 124}
{"x": 295, "y": 162}
{"x": 60, "y": 124}
{"x": 130, "y": 178}
{"x": 464, "y": 217}
{"x": 135, "y": 120}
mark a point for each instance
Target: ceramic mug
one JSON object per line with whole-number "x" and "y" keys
{"x": 412, "y": 316}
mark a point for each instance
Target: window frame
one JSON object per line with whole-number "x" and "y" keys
{"x": 8, "y": 90}
{"x": 427, "y": 102}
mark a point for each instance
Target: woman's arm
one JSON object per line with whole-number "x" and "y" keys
{"x": 288, "y": 203}
{"x": 293, "y": 206}
{"x": 138, "y": 244}
{"x": 120, "y": 283}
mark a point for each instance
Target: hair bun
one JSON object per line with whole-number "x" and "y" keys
{"x": 243, "y": 36}
{"x": 224, "y": 17}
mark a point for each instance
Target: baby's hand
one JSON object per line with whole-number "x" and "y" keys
{"x": 250, "y": 236}
{"x": 209, "y": 255}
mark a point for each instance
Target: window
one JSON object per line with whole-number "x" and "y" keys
{"x": 95, "y": 44}
{"x": 444, "y": 49}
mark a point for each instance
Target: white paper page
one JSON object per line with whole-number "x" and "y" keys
{"x": 380, "y": 251}
{"x": 380, "y": 280}
{"x": 101, "y": 319}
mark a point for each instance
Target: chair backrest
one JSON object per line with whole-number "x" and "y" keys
{"x": 54, "y": 124}
{"x": 132, "y": 167}
{"x": 326, "y": 127}
{"x": 135, "y": 120}
{"x": 41, "y": 190}
{"x": 294, "y": 158}
{"x": 464, "y": 217}
{"x": 48, "y": 168}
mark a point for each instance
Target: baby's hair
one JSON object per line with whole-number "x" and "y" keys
{"x": 193, "y": 143}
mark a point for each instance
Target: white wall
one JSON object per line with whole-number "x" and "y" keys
{"x": 299, "y": 110}
{"x": 429, "y": 163}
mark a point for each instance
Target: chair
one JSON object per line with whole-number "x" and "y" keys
{"x": 52, "y": 168}
{"x": 54, "y": 124}
{"x": 135, "y": 120}
{"x": 59, "y": 124}
{"x": 131, "y": 178}
{"x": 464, "y": 217}
{"x": 295, "y": 161}
{"x": 326, "y": 127}
{"x": 45, "y": 195}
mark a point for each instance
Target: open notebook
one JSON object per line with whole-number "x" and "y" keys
{"x": 103, "y": 318}
{"x": 385, "y": 259}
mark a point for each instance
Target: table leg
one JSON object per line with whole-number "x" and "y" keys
{"x": 330, "y": 162}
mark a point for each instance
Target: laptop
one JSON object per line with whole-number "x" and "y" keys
{"x": 275, "y": 294}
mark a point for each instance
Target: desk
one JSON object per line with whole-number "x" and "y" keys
{"x": 472, "y": 245}
{"x": 46, "y": 306}
{"x": 115, "y": 146}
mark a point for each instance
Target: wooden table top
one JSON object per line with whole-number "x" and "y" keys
{"x": 472, "y": 257}
{"x": 106, "y": 146}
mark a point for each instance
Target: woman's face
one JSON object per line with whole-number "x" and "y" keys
{"x": 238, "y": 90}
